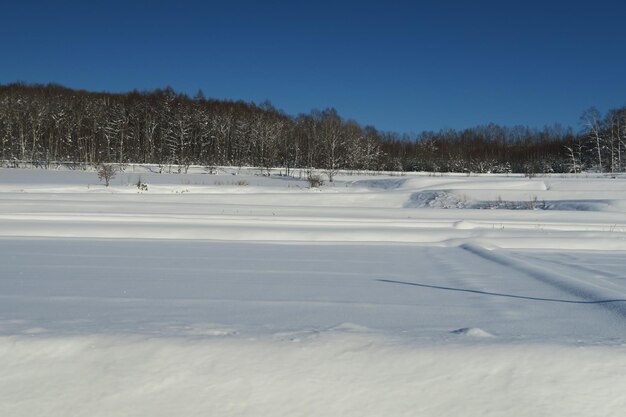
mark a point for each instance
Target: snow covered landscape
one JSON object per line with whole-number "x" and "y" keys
{"x": 245, "y": 295}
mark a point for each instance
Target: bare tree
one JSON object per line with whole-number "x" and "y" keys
{"x": 592, "y": 121}
{"x": 332, "y": 141}
{"x": 615, "y": 122}
{"x": 106, "y": 172}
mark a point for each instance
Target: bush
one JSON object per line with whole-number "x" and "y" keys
{"x": 141, "y": 186}
{"x": 315, "y": 180}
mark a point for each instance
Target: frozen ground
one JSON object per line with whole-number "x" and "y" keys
{"x": 245, "y": 295}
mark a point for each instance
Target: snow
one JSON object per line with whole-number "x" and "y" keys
{"x": 247, "y": 295}
{"x": 333, "y": 375}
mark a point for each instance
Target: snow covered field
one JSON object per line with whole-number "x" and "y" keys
{"x": 243, "y": 295}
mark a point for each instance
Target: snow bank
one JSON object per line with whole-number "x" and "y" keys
{"x": 336, "y": 375}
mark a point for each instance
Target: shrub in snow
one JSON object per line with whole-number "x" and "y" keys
{"x": 315, "y": 180}
{"x": 141, "y": 186}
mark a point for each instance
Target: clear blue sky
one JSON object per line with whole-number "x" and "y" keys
{"x": 401, "y": 66}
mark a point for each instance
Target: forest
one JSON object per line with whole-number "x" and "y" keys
{"x": 44, "y": 124}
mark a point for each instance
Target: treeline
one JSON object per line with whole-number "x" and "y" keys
{"x": 600, "y": 147}
{"x": 53, "y": 123}
{"x": 484, "y": 149}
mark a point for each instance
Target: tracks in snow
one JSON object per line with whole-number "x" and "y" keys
{"x": 588, "y": 291}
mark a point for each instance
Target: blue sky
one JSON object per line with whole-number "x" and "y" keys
{"x": 401, "y": 66}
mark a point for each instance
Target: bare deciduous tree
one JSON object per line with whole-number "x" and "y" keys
{"x": 591, "y": 120}
{"x": 106, "y": 172}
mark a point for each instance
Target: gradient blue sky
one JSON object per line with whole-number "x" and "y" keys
{"x": 401, "y": 66}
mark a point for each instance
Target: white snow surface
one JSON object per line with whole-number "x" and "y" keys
{"x": 246, "y": 295}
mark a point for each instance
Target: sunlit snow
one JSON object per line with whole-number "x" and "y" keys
{"x": 243, "y": 295}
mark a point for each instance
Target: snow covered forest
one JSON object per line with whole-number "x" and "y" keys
{"x": 42, "y": 124}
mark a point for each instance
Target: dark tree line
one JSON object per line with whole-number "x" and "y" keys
{"x": 484, "y": 149}
{"x": 51, "y": 123}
